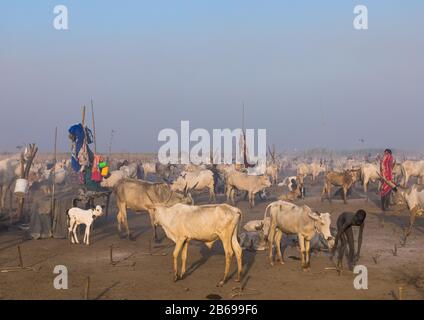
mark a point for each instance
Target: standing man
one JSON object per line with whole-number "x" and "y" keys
{"x": 386, "y": 168}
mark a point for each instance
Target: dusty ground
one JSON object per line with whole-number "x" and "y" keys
{"x": 139, "y": 275}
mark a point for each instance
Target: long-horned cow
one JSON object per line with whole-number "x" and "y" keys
{"x": 139, "y": 195}
{"x": 207, "y": 223}
{"x": 289, "y": 218}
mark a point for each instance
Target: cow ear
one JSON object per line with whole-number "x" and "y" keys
{"x": 313, "y": 216}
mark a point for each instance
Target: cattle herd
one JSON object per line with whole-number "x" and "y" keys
{"x": 167, "y": 193}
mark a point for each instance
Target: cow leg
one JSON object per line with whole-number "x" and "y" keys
{"x": 238, "y": 251}
{"x": 271, "y": 236}
{"x": 233, "y": 191}
{"x": 307, "y": 254}
{"x": 228, "y": 192}
{"x": 302, "y": 251}
{"x": 175, "y": 254}
{"x": 278, "y": 236}
{"x": 184, "y": 258}
{"x": 155, "y": 238}
{"x": 250, "y": 199}
{"x": 74, "y": 231}
{"x": 71, "y": 231}
{"x": 228, "y": 256}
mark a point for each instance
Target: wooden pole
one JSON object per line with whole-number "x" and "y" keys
{"x": 52, "y": 205}
{"x": 94, "y": 127}
{"x": 83, "y": 116}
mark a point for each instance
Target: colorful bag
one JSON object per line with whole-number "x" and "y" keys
{"x": 95, "y": 172}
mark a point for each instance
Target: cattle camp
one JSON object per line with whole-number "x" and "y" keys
{"x": 211, "y": 150}
{"x": 128, "y": 220}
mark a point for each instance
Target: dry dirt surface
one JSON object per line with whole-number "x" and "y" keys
{"x": 140, "y": 273}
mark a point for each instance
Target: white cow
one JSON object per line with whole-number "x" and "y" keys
{"x": 289, "y": 218}
{"x": 414, "y": 198}
{"x": 412, "y": 169}
{"x": 207, "y": 223}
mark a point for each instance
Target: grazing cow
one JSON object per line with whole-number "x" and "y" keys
{"x": 207, "y": 223}
{"x": 289, "y": 218}
{"x": 195, "y": 180}
{"x": 243, "y": 182}
{"x": 77, "y": 216}
{"x": 412, "y": 169}
{"x": 139, "y": 195}
{"x": 414, "y": 198}
{"x": 344, "y": 180}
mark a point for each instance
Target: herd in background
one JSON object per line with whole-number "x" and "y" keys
{"x": 170, "y": 204}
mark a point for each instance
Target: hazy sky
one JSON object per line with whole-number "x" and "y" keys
{"x": 304, "y": 73}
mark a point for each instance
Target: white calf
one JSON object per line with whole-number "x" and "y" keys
{"x": 77, "y": 216}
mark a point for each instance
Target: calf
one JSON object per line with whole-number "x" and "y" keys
{"x": 77, "y": 216}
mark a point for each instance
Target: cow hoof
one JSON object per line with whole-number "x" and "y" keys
{"x": 282, "y": 262}
{"x": 220, "y": 283}
{"x": 176, "y": 278}
{"x": 271, "y": 264}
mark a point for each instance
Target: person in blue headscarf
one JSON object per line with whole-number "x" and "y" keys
{"x": 79, "y": 136}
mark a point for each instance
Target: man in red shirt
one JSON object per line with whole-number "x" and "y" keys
{"x": 386, "y": 168}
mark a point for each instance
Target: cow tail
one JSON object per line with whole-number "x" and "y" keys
{"x": 239, "y": 225}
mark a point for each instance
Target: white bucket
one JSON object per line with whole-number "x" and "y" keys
{"x": 21, "y": 187}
